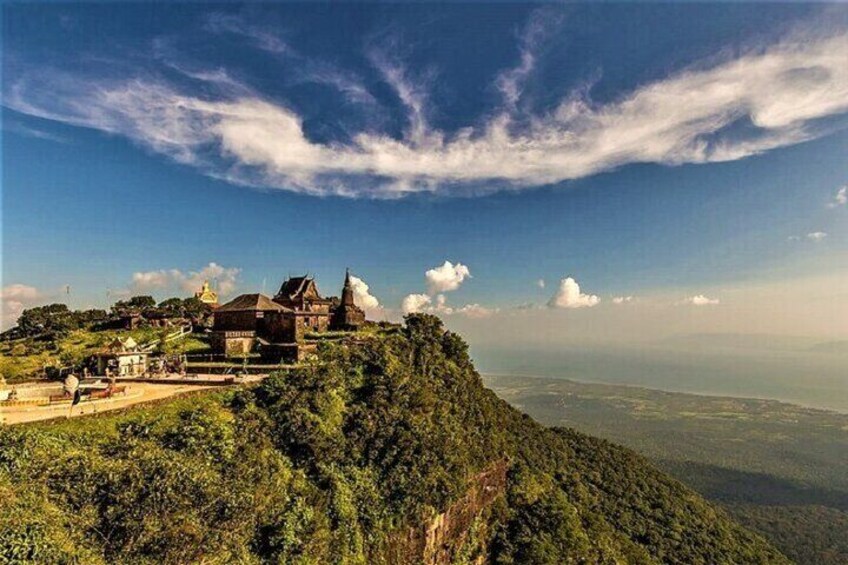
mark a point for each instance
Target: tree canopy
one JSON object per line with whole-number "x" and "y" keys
{"x": 336, "y": 463}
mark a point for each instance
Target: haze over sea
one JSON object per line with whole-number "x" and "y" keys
{"x": 790, "y": 370}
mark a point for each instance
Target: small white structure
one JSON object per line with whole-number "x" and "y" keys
{"x": 123, "y": 358}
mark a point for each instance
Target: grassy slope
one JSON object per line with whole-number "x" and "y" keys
{"x": 779, "y": 468}
{"x": 25, "y": 359}
{"x": 326, "y": 464}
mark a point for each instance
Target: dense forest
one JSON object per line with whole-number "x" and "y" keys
{"x": 778, "y": 468}
{"x": 342, "y": 462}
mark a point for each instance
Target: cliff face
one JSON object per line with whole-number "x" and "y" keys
{"x": 459, "y": 534}
{"x": 385, "y": 451}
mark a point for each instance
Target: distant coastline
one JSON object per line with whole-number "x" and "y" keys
{"x": 497, "y": 375}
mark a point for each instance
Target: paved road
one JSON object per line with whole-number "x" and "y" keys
{"x": 136, "y": 394}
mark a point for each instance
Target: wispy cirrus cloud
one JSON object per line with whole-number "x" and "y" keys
{"x": 779, "y": 93}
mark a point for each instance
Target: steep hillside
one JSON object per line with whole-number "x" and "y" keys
{"x": 385, "y": 451}
{"x": 779, "y": 469}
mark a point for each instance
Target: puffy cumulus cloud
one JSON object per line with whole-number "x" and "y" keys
{"x": 476, "y": 311}
{"x": 226, "y": 279}
{"x": 446, "y": 277}
{"x": 423, "y": 303}
{"x": 568, "y": 295}
{"x": 540, "y": 283}
{"x": 362, "y": 295}
{"x": 150, "y": 280}
{"x": 20, "y": 292}
{"x": 622, "y": 299}
{"x": 14, "y": 299}
{"x": 783, "y": 90}
{"x": 840, "y": 198}
{"x": 816, "y": 236}
{"x": 413, "y": 303}
{"x": 701, "y": 300}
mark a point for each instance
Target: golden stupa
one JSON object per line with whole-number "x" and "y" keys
{"x": 207, "y": 295}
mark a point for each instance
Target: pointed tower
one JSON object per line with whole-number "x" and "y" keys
{"x": 347, "y": 290}
{"x": 347, "y": 315}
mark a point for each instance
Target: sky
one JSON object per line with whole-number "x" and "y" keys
{"x": 542, "y": 174}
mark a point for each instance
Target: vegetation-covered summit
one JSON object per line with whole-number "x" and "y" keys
{"x": 338, "y": 463}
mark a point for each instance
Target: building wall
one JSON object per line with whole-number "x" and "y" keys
{"x": 233, "y": 342}
{"x": 280, "y": 327}
{"x": 347, "y": 318}
{"x": 244, "y": 320}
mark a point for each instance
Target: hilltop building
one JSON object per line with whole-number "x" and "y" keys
{"x": 207, "y": 295}
{"x": 347, "y": 315}
{"x": 122, "y": 358}
{"x": 278, "y": 327}
{"x": 300, "y": 294}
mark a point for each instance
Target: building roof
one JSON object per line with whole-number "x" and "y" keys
{"x": 293, "y": 286}
{"x": 256, "y": 301}
{"x": 299, "y": 287}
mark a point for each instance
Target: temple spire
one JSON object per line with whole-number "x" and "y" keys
{"x": 347, "y": 290}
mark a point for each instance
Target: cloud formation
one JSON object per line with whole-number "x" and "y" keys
{"x": 171, "y": 279}
{"x": 568, "y": 295}
{"x": 701, "y": 300}
{"x": 14, "y": 299}
{"x": 816, "y": 236}
{"x": 362, "y": 295}
{"x": 446, "y": 277}
{"x": 413, "y": 303}
{"x": 744, "y": 105}
{"x": 622, "y": 299}
{"x": 840, "y": 198}
{"x": 422, "y": 303}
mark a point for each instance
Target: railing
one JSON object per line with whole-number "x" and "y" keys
{"x": 178, "y": 334}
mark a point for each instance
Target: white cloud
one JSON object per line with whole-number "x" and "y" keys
{"x": 793, "y": 238}
{"x": 476, "y": 311}
{"x": 362, "y": 295}
{"x": 622, "y": 299}
{"x": 840, "y": 198}
{"x": 784, "y": 90}
{"x": 511, "y": 81}
{"x": 540, "y": 283}
{"x": 816, "y": 236}
{"x": 173, "y": 279}
{"x": 261, "y": 38}
{"x": 701, "y": 300}
{"x": 413, "y": 303}
{"x": 14, "y": 299}
{"x": 446, "y": 277}
{"x": 568, "y": 295}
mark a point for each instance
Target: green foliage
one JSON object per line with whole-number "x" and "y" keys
{"x": 55, "y": 320}
{"x": 778, "y": 468}
{"x": 136, "y": 304}
{"x": 335, "y": 462}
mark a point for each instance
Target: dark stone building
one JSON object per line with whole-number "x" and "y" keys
{"x": 347, "y": 315}
{"x": 238, "y": 324}
{"x": 278, "y": 327}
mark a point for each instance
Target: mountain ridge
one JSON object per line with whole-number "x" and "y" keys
{"x": 337, "y": 462}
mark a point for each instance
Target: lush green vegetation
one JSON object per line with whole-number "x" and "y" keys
{"x": 333, "y": 463}
{"x": 778, "y": 468}
{"x": 54, "y": 336}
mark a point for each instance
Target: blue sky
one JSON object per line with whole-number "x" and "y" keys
{"x": 677, "y": 157}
